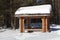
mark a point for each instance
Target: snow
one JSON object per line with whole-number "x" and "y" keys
{"x": 39, "y": 9}
{"x": 8, "y": 34}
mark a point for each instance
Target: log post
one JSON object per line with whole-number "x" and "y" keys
{"x": 47, "y": 24}
{"x": 21, "y": 20}
{"x": 43, "y": 24}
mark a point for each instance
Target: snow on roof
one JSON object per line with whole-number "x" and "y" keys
{"x": 41, "y": 9}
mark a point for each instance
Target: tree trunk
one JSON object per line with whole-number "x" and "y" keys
{"x": 56, "y": 11}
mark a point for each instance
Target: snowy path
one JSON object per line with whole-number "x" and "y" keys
{"x": 16, "y": 35}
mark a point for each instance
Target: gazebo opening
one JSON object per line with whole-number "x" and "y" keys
{"x": 35, "y": 24}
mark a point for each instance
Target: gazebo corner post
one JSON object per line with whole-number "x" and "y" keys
{"x": 43, "y": 24}
{"x": 21, "y": 24}
{"x": 47, "y": 24}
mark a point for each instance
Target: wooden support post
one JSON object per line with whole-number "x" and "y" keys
{"x": 28, "y": 23}
{"x": 47, "y": 24}
{"x": 21, "y": 24}
{"x": 43, "y": 24}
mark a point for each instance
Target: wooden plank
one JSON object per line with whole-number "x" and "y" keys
{"x": 43, "y": 24}
{"x": 21, "y": 24}
{"x": 33, "y": 29}
{"x": 32, "y": 16}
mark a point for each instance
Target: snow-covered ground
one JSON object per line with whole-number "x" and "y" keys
{"x": 7, "y": 34}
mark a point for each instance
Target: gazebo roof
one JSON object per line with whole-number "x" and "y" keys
{"x": 39, "y": 9}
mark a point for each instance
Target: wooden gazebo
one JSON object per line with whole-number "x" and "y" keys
{"x": 39, "y": 11}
